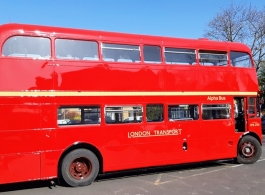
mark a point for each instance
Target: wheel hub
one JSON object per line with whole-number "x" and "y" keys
{"x": 248, "y": 150}
{"x": 80, "y": 168}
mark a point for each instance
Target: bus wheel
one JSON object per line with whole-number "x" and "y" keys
{"x": 249, "y": 150}
{"x": 79, "y": 167}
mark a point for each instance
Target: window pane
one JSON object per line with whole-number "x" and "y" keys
{"x": 76, "y": 49}
{"x": 154, "y": 113}
{"x": 215, "y": 111}
{"x": 78, "y": 115}
{"x": 27, "y": 47}
{"x": 183, "y": 112}
{"x": 152, "y": 54}
{"x": 120, "y": 53}
{"x": 251, "y": 101}
{"x": 213, "y": 58}
{"x": 239, "y": 107}
{"x": 239, "y": 59}
{"x": 251, "y": 109}
{"x": 251, "y": 105}
{"x": 123, "y": 114}
{"x": 91, "y": 115}
{"x": 180, "y": 56}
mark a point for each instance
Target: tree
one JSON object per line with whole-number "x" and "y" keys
{"x": 240, "y": 23}
{"x": 154, "y": 113}
{"x": 262, "y": 77}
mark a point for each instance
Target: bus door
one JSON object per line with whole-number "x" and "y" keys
{"x": 253, "y": 120}
{"x": 240, "y": 114}
{"x": 247, "y": 115}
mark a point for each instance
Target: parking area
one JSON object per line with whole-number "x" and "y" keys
{"x": 222, "y": 177}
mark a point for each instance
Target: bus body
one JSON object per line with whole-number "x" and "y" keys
{"x": 76, "y": 103}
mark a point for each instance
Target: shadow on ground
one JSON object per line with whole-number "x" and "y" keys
{"x": 114, "y": 175}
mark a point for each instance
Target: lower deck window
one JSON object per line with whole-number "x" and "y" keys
{"x": 154, "y": 113}
{"x": 78, "y": 115}
{"x": 123, "y": 114}
{"x": 215, "y": 111}
{"x": 183, "y": 112}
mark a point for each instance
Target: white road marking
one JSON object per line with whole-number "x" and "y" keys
{"x": 158, "y": 179}
{"x": 208, "y": 172}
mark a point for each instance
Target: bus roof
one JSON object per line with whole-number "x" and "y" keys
{"x": 37, "y": 30}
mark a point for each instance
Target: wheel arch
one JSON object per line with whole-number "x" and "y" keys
{"x": 81, "y": 145}
{"x": 250, "y": 134}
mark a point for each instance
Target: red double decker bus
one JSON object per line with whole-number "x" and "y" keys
{"x": 75, "y": 103}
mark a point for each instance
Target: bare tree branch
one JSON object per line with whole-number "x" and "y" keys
{"x": 241, "y": 23}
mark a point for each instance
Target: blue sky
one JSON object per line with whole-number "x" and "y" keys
{"x": 177, "y": 18}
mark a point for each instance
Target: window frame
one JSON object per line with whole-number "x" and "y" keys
{"x": 212, "y": 53}
{"x": 250, "y": 65}
{"x": 25, "y": 54}
{"x": 185, "y": 51}
{"x": 83, "y": 58}
{"x": 122, "y": 48}
{"x": 147, "y": 112}
{"x": 213, "y": 108}
{"x": 152, "y": 61}
{"x": 119, "y": 113}
{"x": 83, "y": 118}
{"x": 252, "y": 107}
{"x": 195, "y": 109}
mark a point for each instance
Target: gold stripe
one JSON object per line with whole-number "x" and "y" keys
{"x": 122, "y": 93}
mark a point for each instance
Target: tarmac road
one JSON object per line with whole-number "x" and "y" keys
{"x": 218, "y": 178}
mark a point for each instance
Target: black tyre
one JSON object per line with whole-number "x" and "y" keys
{"x": 79, "y": 167}
{"x": 249, "y": 150}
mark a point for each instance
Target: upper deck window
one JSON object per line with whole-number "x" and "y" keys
{"x": 180, "y": 56}
{"x": 120, "y": 53}
{"x": 27, "y": 47}
{"x": 240, "y": 59}
{"x": 213, "y": 58}
{"x": 76, "y": 49}
{"x": 152, "y": 54}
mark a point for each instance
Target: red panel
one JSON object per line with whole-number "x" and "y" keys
{"x": 215, "y": 137}
{"x": 157, "y": 146}
{"x": 49, "y": 164}
{"x": 122, "y": 151}
{"x": 25, "y": 74}
{"x": 19, "y": 167}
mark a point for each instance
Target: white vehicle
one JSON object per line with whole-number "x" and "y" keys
{"x": 138, "y": 118}
{"x": 62, "y": 121}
